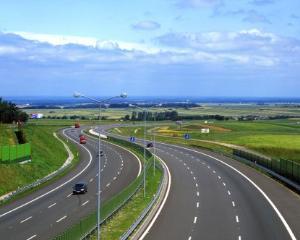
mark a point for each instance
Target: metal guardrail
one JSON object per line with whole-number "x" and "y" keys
{"x": 138, "y": 221}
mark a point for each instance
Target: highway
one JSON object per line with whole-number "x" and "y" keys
{"x": 50, "y": 210}
{"x": 215, "y": 197}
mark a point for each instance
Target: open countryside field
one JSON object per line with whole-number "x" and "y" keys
{"x": 110, "y": 113}
{"x": 233, "y": 110}
{"x": 274, "y": 138}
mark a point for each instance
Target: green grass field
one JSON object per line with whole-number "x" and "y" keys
{"x": 274, "y": 138}
{"x": 233, "y": 110}
{"x": 7, "y": 135}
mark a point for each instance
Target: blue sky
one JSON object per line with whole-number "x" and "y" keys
{"x": 148, "y": 48}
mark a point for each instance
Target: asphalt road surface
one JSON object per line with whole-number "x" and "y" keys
{"x": 218, "y": 198}
{"x": 50, "y": 210}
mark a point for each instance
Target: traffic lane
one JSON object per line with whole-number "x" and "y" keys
{"x": 214, "y": 204}
{"x": 176, "y": 218}
{"x": 201, "y": 209}
{"x": 71, "y": 210}
{"x": 256, "y": 218}
{"x": 286, "y": 201}
{"x": 48, "y": 215}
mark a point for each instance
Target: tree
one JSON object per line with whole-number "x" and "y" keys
{"x": 9, "y": 113}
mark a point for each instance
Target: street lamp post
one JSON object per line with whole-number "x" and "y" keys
{"x": 79, "y": 95}
{"x": 154, "y": 147}
{"x": 145, "y": 127}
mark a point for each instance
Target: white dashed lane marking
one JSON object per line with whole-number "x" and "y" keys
{"x": 52, "y": 205}
{"x": 69, "y": 195}
{"x": 229, "y": 193}
{"x": 32, "y": 237}
{"x": 59, "y": 220}
{"x": 195, "y": 220}
{"x": 26, "y": 219}
{"x": 233, "y": 203}
{"x": 197, "y": 204}
{"x": 86, "y": 202}
{"x": 237, "y": 219}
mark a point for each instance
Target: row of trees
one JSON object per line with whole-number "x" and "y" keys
{"x": 10, "y": 113}
{"x": 151, "y": 116}
{"x": 171, "y": 115}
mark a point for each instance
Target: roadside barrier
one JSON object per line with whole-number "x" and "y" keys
{"x": 15, "y": 153}
{"x": 286, "y": 168}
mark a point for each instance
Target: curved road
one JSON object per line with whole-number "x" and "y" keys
{"x": 215, "y": 197}
{"x": 50, "y": 210}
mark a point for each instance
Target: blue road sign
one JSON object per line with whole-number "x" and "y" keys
{"x": 132, "y": 139}
{"x": 187, "y": 136}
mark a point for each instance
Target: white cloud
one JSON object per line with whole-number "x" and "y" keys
{"x": 4, "y": 49}
{"x": 60, "y": 40}
{"x": 198, "y": 3}
{"x": 245, "y": 47}
{"x": 146, "y": 25}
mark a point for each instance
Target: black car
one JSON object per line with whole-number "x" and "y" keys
{"x": 80, "y": 188}
{"x": 101, "y": 154}
{"x": 150, "y": 145}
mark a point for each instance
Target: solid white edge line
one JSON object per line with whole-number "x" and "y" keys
{"x": 284, "y": 222}
{"x": 58, "y": 187}
{"x": 163, "y": 203}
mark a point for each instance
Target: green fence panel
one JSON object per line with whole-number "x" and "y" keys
{"x": 5, "y": 153}
{"x": 27, "y": 149}
{"x": 13, "y": 152}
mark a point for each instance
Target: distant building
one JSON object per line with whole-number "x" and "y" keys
{"x": 205, "y": 130}
{"x": 36, "y": 115}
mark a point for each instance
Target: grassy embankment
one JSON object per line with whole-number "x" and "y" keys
{"x": 276, "y": 138}
{"x": 48, "y": 154}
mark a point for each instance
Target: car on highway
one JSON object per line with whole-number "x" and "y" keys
{"x": 80, "y": 187}
{"x": 101, "y": 154}
{"x": 77, "y": 125}
{"x": 149, "y": 145}
{"x": 82, "y": 140}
